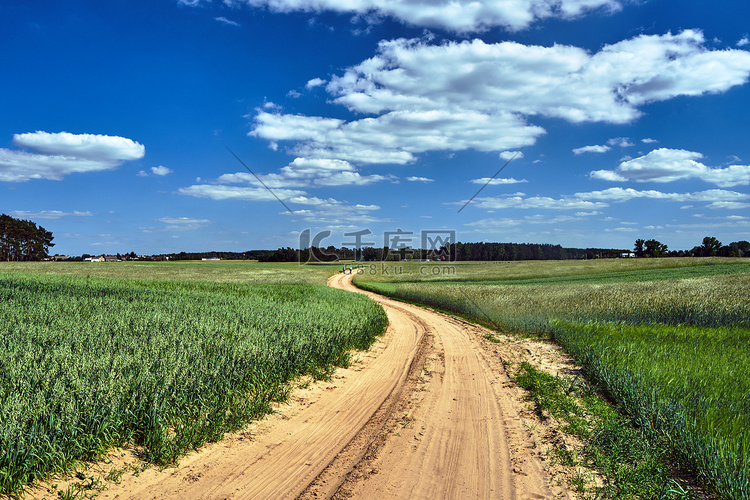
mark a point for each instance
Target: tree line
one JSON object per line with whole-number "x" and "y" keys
{"x": 483, "y": 251}
{"x": 454, "y": 252}
{"x": 709, "y": 247}
{"x": 23, "y": 240}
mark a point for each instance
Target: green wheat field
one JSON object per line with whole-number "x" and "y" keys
{"x": 669, "y": 339}
{"x": 164, "y": 357}
{"x": 167, "y": 356}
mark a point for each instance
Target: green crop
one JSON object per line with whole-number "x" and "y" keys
{"x": 669, "y": 339}
{"x": 90, "y": 363}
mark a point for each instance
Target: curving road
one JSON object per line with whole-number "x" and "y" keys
{"x": 426, "y": 413}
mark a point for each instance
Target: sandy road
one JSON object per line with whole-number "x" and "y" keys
{"x": 462, "y": 436}
{"x": 427, "y": 413}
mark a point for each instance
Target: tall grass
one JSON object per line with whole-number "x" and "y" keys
{"x": 89, "y": 363}
{"x": 689, "y": 384}
{"x": 225, "y": 271}
{"x": 706, "y": 301}
{"x": 671, "y": 345}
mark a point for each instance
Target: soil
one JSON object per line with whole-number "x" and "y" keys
{"x": 428, "y": 412}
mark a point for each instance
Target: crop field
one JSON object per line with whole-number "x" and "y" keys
{"x": 163, "y": 357}
{"x": 669, "y": 339}
{"x": 225, "y": 271}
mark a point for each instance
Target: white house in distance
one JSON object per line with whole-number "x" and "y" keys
{"x": 627, "y": 255}
{"x": 102, "y": 258}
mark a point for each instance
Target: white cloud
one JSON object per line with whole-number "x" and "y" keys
{"x": 301, "y": 173}
{"x": 219, "y": 192}
{"x": 618, "y": 194}
{"x": 510, "y": 155}
{"x": 61, "y": 154}
{"x": 395, "y": 137}
{"x": 182, "y": 220}
{"x": 743, "y": 41}
{"x": 102, "y": 148}
{"x": 49, "y": 214}
{"x": 338, "y": 215}
{"x": 667, "y": 165}
{"x": 182, "y": 223}
{"x": 315, "y": 82}
{"x": 536, "y": 202}
{"x": 160, "y": 170}
{"x": 622, "y": 142}
{"x": 457, "y": 15}
{"x": 589, "y": 203}
{"x": 496, "y": 182}
{"x": 419, "y": 179}
{"x": 19, "y": 166}
{"x": 495, "y": 223}
{"x": 591, "y": 149}
{"x": 421, "y": 96}
{"x": 648, "y": 140}
{"x": 308, "y": 172}
{"x": 728, "y": 205}
{"x": 226, "y": 21}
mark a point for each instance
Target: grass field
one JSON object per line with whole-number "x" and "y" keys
{"x": 161, "y": 356}
{"x": 669, "y": 339}
{"x": 224, "y": 271}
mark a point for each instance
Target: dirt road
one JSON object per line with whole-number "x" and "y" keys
{"x": 428, "y": 412}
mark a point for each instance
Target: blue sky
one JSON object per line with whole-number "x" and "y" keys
{"x": 627, "y": 119}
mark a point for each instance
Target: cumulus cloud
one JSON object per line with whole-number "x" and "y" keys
{"x": 300, "y": 173}
{"x": 626, "y": 194}
{"x": 182, "y": 223}
{"x": 158, "y": 171}
{"x": 85, "y": 146}
{"x": 396, "y": 137}
{"x": 161, "y": 170}
{"x": 728, "y": 205}
{"x": 510, "y": 155}
{"x": 49, "y": 214}
{"x": 419, "y": 96}
{"x": 315, "y": 82}
{"x": 536, "y": 202}
{"x": 61, "y": 154}
{"x": 667, "y": 165}
{"x": 495, "y": 182}
{"x": 419, "y": 179}
{"x": 182, "y": 220}
{"x": 589, "y": 203}
{"x": 591, "y": 149}
{"x": 622, "y": 142}
{"x": 457, "y": 15}
{"x": 338, "y": 215}
{"x": 221, "y": 192}
{"x": 308, "y": 172}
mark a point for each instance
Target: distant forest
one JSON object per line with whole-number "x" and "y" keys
{"x": 478, "y": 252}
{"x": 23, "y": 240}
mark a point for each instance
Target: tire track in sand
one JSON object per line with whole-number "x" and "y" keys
{"x": 461, "y": 436}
